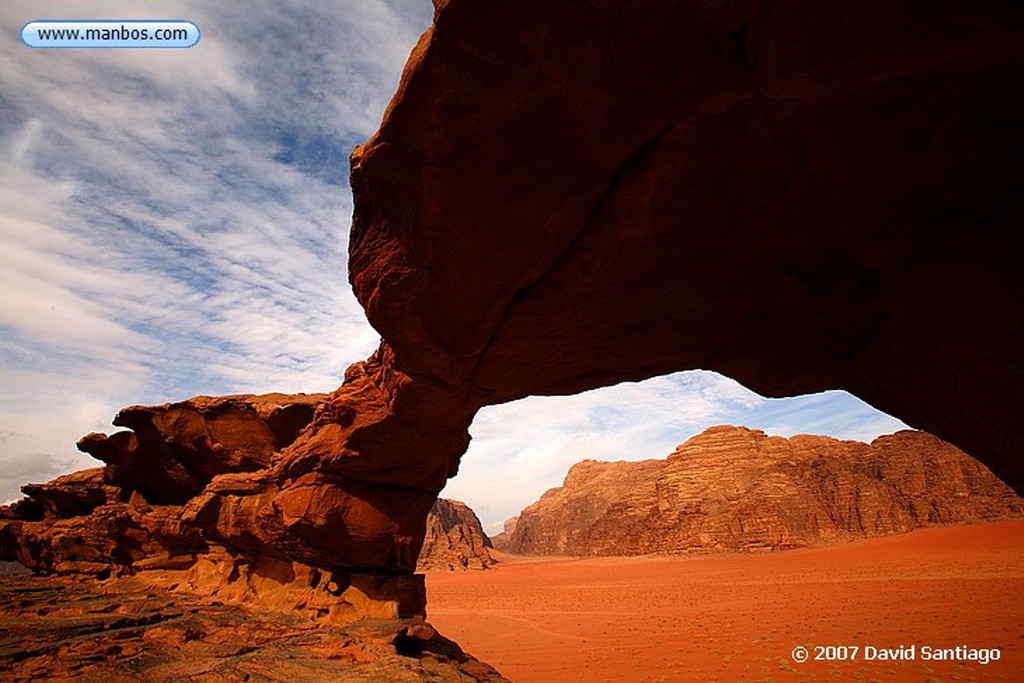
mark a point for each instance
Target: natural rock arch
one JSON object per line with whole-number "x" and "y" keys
{"x": 565, "y": 195}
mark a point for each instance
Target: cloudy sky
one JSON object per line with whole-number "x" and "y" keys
{"x": 174, "y": 222}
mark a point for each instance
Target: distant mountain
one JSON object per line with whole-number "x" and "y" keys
{"x": 455, "y": 539}
{"x": 737, "y": 489}
{"x": 500, "y": 541}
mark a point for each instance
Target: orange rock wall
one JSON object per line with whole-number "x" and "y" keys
{"x": 455, "y": 539}
{"x": 733, "y": 489}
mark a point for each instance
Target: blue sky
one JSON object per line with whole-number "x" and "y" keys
{"x": 174, "y": 222}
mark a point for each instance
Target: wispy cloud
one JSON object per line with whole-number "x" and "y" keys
{"x": 174, "y": 222}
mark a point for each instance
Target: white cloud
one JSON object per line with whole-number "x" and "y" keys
{"x": 24, "y": 141}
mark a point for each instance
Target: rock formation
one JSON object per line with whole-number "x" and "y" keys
{"x": 501, "y": 541}
{"x": 129, "y": 629}
{"x": 455, "y": 539}
{"x": 183, "y": 491}
{"x": 554, "y": 524}
{"x": 736, "y": 489}
{"x": 568, "y": 195}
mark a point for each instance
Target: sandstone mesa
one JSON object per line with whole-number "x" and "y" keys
{"x": 733, "y": 489}
{"x": 455, "y": 539}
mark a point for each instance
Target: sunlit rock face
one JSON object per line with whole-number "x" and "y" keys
{"x": 733, "y": 489}
{"x": 455, "y": 539}
{"x": 201, "y": 490}
{"x": 132, "y": 514}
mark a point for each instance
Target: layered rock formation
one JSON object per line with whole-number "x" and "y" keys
{"x": 554, "y": 524}
{"x": 189, "y": 488}
{"x": 455, "y": 539}
{"x": 501, "y": 541}
{"x": 737, "y": 489}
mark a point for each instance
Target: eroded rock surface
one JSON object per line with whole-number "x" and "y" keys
{"x": 455, "y": 539}
{"x": 169, "y": 453}
{"x": 194, "y": 487}
{"x": 134, "y": 629}
{"x": 737, "y": 489}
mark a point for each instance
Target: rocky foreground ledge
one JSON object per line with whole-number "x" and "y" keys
{"x": 152, "y": 628}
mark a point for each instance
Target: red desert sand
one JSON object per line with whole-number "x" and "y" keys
{"x": 740, "y": 617}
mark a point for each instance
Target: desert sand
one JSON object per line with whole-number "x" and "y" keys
{"x": 739, "y": 617}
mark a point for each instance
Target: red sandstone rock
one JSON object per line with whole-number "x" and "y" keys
{"x": 253, "y": 532}
{"x": 561, "y": 520}
{"x": 800, "y": 196}
{"x": 501, "y": 541}
{"x": 174, "y": 450}
{"x": 455, "y": 539}
{"x": 63, "y": 628}
{"x": 128, "y": 516}
{"x": 75, "y": 494}
{"x": 732, "y": 488}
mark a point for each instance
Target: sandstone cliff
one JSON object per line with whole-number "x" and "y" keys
{"x": 455, "y": 539}
{"x": 560, "y": 523}
{"x": 501, "y": 540}
{"x": 732, "y": 488}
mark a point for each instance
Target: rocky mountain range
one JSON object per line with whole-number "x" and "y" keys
{"x": 738, "y": 489}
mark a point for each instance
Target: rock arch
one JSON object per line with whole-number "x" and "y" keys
{"x": 563, "y": 195}
{"x": 800, "y": 196}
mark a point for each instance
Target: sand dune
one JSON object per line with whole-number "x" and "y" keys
{"x": 739, "y": 617}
